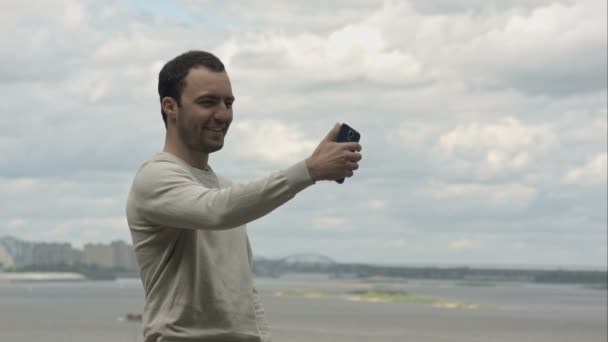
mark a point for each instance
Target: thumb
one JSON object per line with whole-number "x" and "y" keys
{"x": 333, "y": 134}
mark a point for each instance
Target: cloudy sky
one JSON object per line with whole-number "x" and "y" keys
{"x": 483, "y": 122}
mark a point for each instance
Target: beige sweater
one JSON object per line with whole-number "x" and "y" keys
{"x": 188, "y": 230}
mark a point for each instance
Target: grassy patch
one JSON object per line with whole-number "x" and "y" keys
{"x": 380, "y": 296}
{"x": 383, "y": 280}
{"x": 305, "y": 293}
{"x": 476, "y": 284}
{"x": 389, "y": 296}
{"x": 596, "y": 286}
{"x": 444, "y": 304}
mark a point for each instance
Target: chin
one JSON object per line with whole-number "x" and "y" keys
{"x": 210, "y": 148}
{"x": 214, "y": 148}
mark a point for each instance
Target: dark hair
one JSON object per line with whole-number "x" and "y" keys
{"x": 172, "y": 77}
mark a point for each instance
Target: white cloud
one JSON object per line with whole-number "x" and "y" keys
{"x": 486, "y": 150}
{"x": 16, "y": 222}
{"x": 271, "y": 140}
{"x": 464, "y": 244}
{"x": 376, "y": 204}
{"x": 350, "y": 53}
{"x": 107, "y": 223}
{"x": 593, "y": 172}
{"x": 88, "y": 229}
{"x": 479, "y": 197}
{"x": 418, "y": 134}
{"x": 589, "y": 126}
{"x": 511, "y": 48}
{"x": 74, "y": 15}
{"x": 394, "y": 243}
{"x": 17, "y": 185}
{"x": 331, "y": 223}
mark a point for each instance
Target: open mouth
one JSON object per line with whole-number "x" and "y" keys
{"x": 217, "y": 130}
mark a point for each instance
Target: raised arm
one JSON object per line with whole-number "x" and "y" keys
{"x": 164, "y": 194}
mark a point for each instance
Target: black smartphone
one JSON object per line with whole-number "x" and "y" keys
{"x": 347, "y": 134}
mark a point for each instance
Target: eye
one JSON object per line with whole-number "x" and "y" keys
{"x": 207, "y": 103}
{"x": 229, "y": 104}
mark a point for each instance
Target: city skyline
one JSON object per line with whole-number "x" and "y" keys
{"x": 313, "y": 253}
{"x": 15, "y": 252}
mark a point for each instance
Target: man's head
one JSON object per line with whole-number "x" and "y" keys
{"x": 196, "y": 100}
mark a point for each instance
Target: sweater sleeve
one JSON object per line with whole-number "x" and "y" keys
{"x": 165, "y": 194}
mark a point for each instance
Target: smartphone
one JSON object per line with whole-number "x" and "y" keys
{"x": 347, "y": 134}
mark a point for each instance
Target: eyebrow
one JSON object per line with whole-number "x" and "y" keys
{"x": 214, "y": 97}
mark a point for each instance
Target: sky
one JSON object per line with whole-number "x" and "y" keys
{"x": 483, "y": 123}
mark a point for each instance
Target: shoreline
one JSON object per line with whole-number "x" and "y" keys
{"x": 13, "y": 277}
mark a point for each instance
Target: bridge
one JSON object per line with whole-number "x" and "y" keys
{"x": 307, "y": 259}
{"x": 295, "y": 263}
{"x": 318, "y": 263}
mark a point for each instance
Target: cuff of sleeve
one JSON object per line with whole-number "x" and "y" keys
{"x": 298, "y": 177}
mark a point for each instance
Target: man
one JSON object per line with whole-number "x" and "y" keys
{"x": 188, "y": 224}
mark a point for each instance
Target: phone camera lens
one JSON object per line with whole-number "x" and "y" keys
{"x": 350, "y": 135}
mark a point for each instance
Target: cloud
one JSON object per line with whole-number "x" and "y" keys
{"x": 464, "y": 244}
{"x": 376, "y": 204}
{"x": 487, "y": 150}
{"x": 416, "y": 134}
{"x": 17, "y": 185}
{"x": 351, "y": 53}
{"x": 331, "y": 223}
{"x": 512, "y": 197}
{"x": 271, "y": 140}
{"x": 513, "y": 48}
{"x": 398, "y": 243}
{"x": 478, "y": 117}
{"x": 591, "y": 173}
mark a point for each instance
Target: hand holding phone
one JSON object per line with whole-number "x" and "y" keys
{"x": 336, "y": 156}
{"x": 347, "y": 134}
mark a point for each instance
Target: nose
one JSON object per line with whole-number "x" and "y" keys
{"x": 223, "y": 114}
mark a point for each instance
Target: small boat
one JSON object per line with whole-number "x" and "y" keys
{"x": 133, "y": 317}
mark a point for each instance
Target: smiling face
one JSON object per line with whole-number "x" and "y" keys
{"x": 204, "y": 116}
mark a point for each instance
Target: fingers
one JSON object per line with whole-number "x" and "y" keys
{"x": 349, "y": 174}
{"x": 333, "y": 133}
{"x": 352, "y": 146}
{"x": 352, "y": 156}
{"x": 352, "y": 166}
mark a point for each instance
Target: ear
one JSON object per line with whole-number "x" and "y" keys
{"x": 169, "y": 105}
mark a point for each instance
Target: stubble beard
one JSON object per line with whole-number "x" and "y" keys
{"x": 193, "y": 136}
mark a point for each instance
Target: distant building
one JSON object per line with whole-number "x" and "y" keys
{"x": 98, "y": 254}
{"x": 17, "y": 253}
{"x": 78, "y": 255}
{"x": 17, "y": 249}
{"x": 6, "y": 260}
{"x": 123, "y": 255}
{"x": 51, "y": 253}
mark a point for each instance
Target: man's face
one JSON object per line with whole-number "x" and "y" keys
{"x": 206, "y": 110}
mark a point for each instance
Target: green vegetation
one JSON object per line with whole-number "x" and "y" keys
{"x": 393, "y": 274}
{"x": 390, "y": 296}
{"x": 378, "y": 295}
{"x": 305, "y": 293}
{"x": 476, "y": 283}
{"x": 383, "y": 280}
{"x": 596, "y": 286}
{"x": 454, "y": 305}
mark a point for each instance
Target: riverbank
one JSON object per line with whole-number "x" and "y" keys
{"x": 14, "y": 277}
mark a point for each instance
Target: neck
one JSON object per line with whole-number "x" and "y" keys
{"x": 195, "y": 159}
